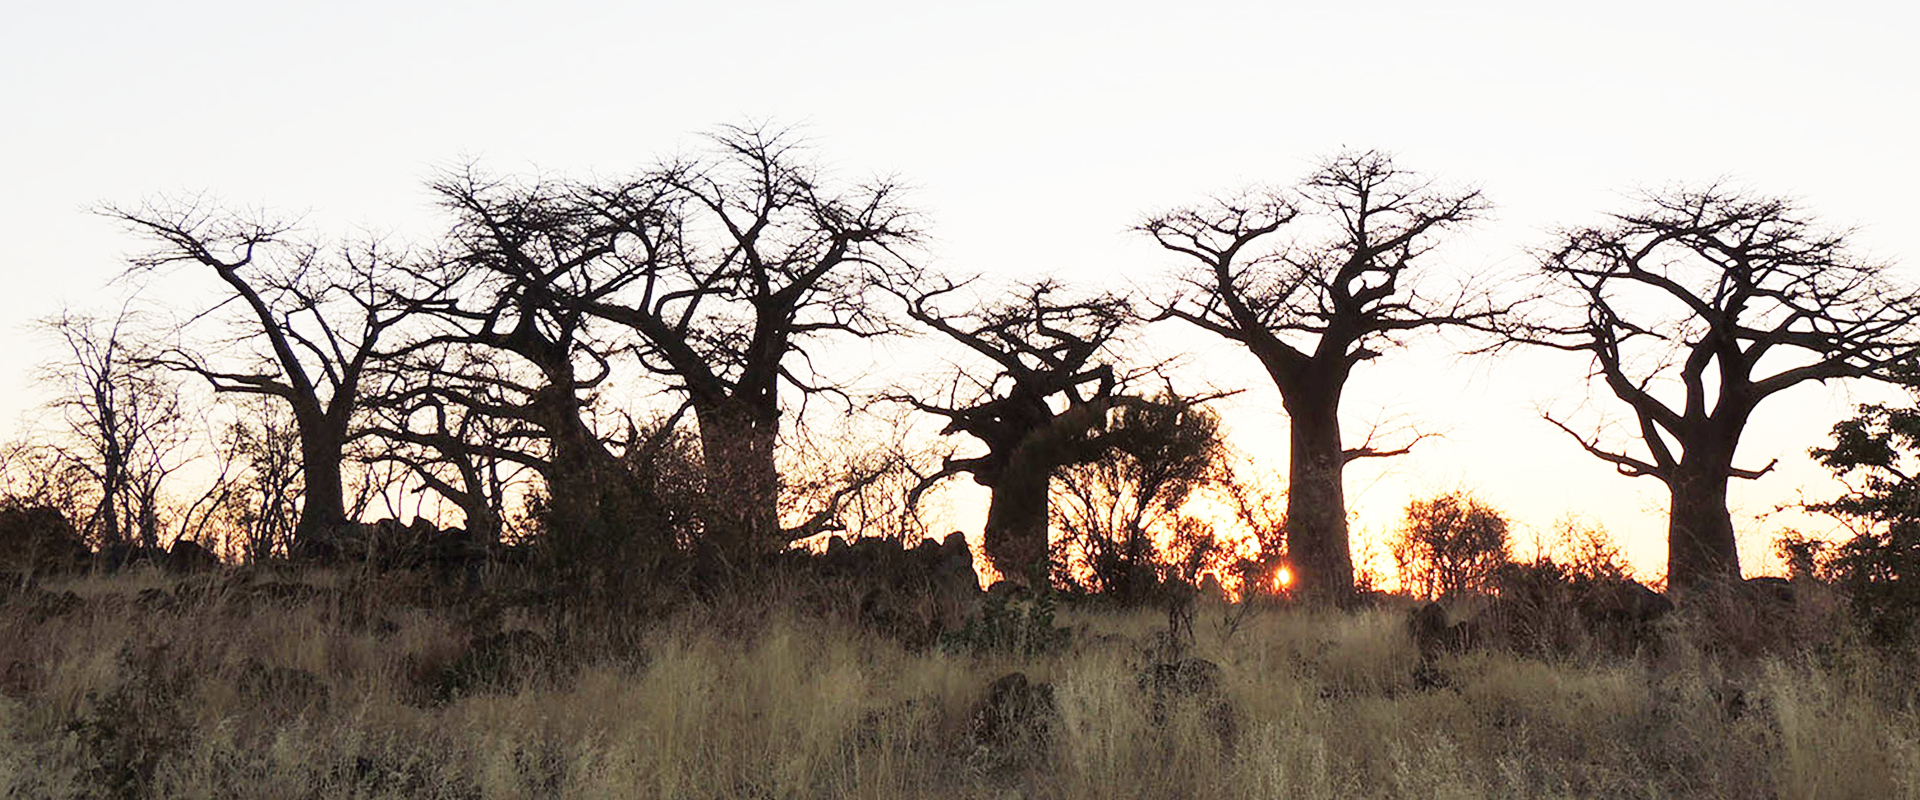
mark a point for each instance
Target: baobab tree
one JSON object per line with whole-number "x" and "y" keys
{"x": 1314, "y": 305}
{"x": 723, "y": 272}
{"x": 503, "y": 354}
{"x": 313, "y": 314}
{"x": 1695, "y": 308}
{"x": 1040, "y": 408}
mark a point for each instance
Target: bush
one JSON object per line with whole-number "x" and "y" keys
{"x": 1006, "y": 625}
{"x": 1879, "y": 568}
{"x": 1451, "y": 544}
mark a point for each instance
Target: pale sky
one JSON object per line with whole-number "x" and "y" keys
{"x": 1033, "y": 134}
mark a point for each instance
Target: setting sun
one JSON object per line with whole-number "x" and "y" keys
{"x": 1282, "y": 578}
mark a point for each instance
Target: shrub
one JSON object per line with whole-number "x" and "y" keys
{"x": 1007, "y": 625}
{"x": 1451, "y": 544}
{"x": 1879, "y": 568}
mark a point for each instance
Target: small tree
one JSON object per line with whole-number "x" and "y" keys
{"x": 1451, "y": 544}
{"x": 1124, "y": 512}
{"x": 123, "y": 425}
{"x": 1879, "y": 567}
{"x": 268, "y": 486}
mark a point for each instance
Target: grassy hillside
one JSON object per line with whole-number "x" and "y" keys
{"x": 332, "y": 686}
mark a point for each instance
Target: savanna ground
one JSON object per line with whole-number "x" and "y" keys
{"x": 337, "y": 685}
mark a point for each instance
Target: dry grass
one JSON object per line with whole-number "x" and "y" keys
{"x": 368, "y": 689}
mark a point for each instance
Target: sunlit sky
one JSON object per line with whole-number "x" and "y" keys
{"x": 1033, "y": 135}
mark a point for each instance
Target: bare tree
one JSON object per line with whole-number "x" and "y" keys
{"x": 515, "y": 358}
{"x": 1679, "y": 303}
{"x": 724, "y": 271}
{"x": 453, "y": 450}
{"x": 1312, "y": 307}
{"x": 123, "y": 423}
{"x": 264, "y": 488}
{"x": 1041, "y": 407}
{"x": 313, "y": 316}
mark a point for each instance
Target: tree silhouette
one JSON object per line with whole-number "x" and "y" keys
{"x": 125, "y": 425}
{"x": 1683, "y": 303}
{"x": 1042, "y": 407}
{"x": 1313, "y": 307}
{"x": 724, "y": 271}
{"x": 1878, "y": 568}
{"x": 1112, "y": 508}
{"x": 315, "y": 313}
{"x": 1452, "y": 544}
{"x": 507, "y": 374}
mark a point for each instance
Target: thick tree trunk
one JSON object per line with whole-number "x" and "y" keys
{"x": 1700, "y": 544}
{"x": 743, "y": 483}
{"x": 1316, "y": 496}
{"x": 596, "y": 508}
{"x": 1016, "y": 536}
{"x": 1016, "y": 533}
{"x": 482, "y": 523}
{"x": 323, "y": 509}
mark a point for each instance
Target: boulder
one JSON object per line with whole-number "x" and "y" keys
{"x": 38, "y": 605}
{"x": 1430, "y": 631}
{"x": 1015, "y": 713}
{"x": 188, "y": 557}
{"x": 121, "y": 556}
{"x": 39, "y": 539}
{"x": 455, "y": 556}
{"x": 1195, "y": 684}
{"x": 1625, "y": 602}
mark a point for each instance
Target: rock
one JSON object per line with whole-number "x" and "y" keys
{"x": 121, "y": 556}
{"x": 1192, "y": 683}
{"x": 912, "y": 594}
{"x": 1014, "y": 713}
{"x": 1430, "y": 631}
{"x": 188, "y": 557}
{"x": 1629, "y": 602}
{"x": 39, "y": 539}
{"x": 497, "y": 661}
{"x": 455, "y": 556}
{"x": 39, "y": 605}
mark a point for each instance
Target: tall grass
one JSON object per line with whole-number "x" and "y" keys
{"x": 369, "y": 689}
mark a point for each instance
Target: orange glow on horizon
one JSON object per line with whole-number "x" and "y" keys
{"x": 1282, "y": 578}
